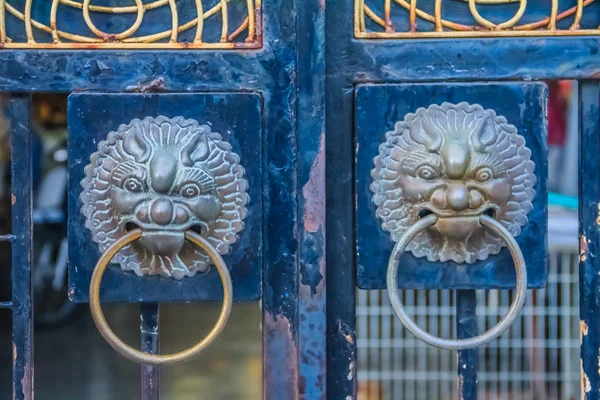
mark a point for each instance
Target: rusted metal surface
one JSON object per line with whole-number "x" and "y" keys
{"x": 280, "y": 358}
{"x": 311, "y": 201}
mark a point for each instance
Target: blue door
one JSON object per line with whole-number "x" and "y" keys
{"x": 212, "y": 144}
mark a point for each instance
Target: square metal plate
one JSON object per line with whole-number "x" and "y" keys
{"x": 378, "y": 108}
{"x": 238, "y": 118}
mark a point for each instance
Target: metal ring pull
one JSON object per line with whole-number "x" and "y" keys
{"x": 457, "y": 344}
{"x": 154, "y": 359}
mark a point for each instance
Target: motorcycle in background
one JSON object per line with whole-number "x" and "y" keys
{"x": 49, "y": 274}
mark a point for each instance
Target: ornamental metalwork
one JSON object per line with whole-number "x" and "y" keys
{"x": 165, "y": 176}
{"x": 458, "y": 162}
{"x": 405, "y": 19}
{"x": 171, "y": 24}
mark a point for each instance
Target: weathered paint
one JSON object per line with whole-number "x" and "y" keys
{"x": 589, "y": 231}
{"x": 311, "y": 200}
{"x": 294, "y": 267}
{"x": 269, "y": 71}
{"x": 280, "y": 201}
{"x": 280, "y": 359}
{"x": 312, "y": 306}
{"x": 352, "y": 62}
{"x": 22, "y": 248}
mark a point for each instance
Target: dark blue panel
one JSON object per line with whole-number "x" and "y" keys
{"x": 378, "y": 107}
{"x": 589, "y": 237}
{"x": 238, "y": 118}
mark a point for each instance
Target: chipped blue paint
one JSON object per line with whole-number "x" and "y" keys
{"x": 311, "y": 214}
{"x": 589, "y": 238}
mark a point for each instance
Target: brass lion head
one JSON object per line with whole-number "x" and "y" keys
{"x": 457, "y": 161}
{"x": 164, "y": 176}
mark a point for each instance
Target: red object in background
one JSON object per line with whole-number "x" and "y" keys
{"x": 559, "y": 93}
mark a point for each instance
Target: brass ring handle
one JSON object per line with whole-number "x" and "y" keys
{"x": 155, "y": 359}
{"x": 457, "y": 344}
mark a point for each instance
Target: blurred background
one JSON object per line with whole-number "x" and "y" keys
{"x": 538, "y": 358}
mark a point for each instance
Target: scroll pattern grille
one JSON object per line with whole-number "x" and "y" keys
{"x": 405, "y": 19}
{"x": 79, "y": 29}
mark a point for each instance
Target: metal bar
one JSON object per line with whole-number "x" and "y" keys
{"x": 540, "y": 327}
{"x": 509, "y": 360}
{"x": 421, "y": 353}
{"x": 7, "y": 238}
{"x": 149, "y": 327}
{"x": 466, "y": 327}
{"x": 412, "y": 345}
{"x": 362, "y": 330}
{"x": 6, "y": 304}
{"x": 553, "y": 329}
{"x": 398, "y": 356}
{"x": 281, "y": 275}
{"x": 499, "y": 363}
{"x": 574, "y": 389}
{"x": 433, "y": 353}
{"x": 589, "y": 238}
{"x": 311, "y": 199}
{"x": 386, "y": 359}
{"x": 569, "y": 329}
{"x": 447, "y": 357}
{"x": 341, "y": 299}
{"x": 19, "y": 111}
{"x": 373, "y": 392}
{"x": 484, "y": 355}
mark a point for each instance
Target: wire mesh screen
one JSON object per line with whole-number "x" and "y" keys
{"x": 538, "y": 358}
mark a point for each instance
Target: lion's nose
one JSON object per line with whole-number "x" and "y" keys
{"x": 457, "y": 197}
{"x": 161, "y": 211}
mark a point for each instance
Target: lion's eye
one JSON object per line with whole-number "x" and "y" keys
{"x": 483, "y": 174}
{"x": 133, "y": 184}
{"x": 190, "y": 190}
{"x": 427, "y": 172}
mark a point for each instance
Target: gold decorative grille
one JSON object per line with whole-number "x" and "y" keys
{"x": 51, "y": 32}
{"x": 405, "y": 19}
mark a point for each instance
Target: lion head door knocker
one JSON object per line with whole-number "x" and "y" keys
{"x": 454, "y": 182}
{"x": 177, "y": 187}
